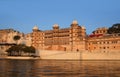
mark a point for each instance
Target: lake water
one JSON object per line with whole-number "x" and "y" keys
{"x": 59, "y": 68}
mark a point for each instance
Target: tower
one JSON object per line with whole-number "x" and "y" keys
{"x": 77, "y": 35}
{"x": 35, "y": 28}
{"x": 55, "y": 34}
{"x": 37, "y": 38}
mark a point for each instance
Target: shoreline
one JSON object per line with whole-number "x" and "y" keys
{"x": 38, "y": 58}
{"x": 19, "y": 57}
{"x": 61, "y": 55}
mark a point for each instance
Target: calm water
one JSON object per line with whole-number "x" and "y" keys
{"x": 53, "y": 68}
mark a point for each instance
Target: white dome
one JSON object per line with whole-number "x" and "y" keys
{"x": 55, "y": 25}
{"x": 83, "y": 27}
{"x": 35, "y": 28}
{"x": 74, "y": 22}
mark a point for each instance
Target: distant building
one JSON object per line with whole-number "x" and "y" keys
{"x": 64, "y": 39}
{"x": 100, "y": 41}
{"x": 28, "y": 39}
{"x": 4, "y": 34}
{"x": 102, "y": 30}
{"x": 6, "y": 39}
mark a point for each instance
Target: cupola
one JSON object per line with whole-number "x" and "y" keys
{"x": 55, "y": 26}
{"x": 74, "y": 22}
{"x": 35, "y": 27}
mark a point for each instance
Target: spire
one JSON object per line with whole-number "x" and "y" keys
{"x": 35, "y": 27}
{"x": 74, "y": 22}
{"x": 55, "y": 25}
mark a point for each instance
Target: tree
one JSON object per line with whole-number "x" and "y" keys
{"x": 19, "y": 50}
{"x": 9, "y": 51}
{"x": 15, "y": 50}
{"x": 30, "y": 50}
{"x": 114, "y": 29}
{"x": 16, "y": 38}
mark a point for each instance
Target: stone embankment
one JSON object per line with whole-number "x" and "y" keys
{"x": 18, "y": 57}
{"x": 84, "y": 55}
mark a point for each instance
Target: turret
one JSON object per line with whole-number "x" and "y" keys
{"x": 55, "y": 26}
{"x": 74, "y": 23}
{"x": 35, "y": 28}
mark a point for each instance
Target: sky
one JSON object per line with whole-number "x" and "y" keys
{"x": 23, "y": 15}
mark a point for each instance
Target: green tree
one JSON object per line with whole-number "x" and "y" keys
{"x": 114, "y": 29}
{"x": 30, "y": 50}
{"x": 19, "y": 50}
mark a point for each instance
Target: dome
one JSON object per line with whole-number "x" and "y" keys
{"x": 35, "y": 28}
{"x": 83, "y": 27}
{"x": 74, "y": 22}
{"x": 55, "y": 25}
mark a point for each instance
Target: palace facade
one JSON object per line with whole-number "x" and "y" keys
{"x": 100, "y": 41}
{"x": 74, "y": 38}
{"x": 64, "y": 39}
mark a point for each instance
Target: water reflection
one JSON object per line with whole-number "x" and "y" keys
{"x": 58, "y": 68}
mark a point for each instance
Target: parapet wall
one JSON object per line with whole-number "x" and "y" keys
{"x": 79, "y": 55}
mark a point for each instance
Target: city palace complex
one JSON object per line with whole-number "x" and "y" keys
{"x": 73, "y": 38}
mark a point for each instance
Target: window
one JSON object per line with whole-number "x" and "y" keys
{"x": 2, "y": 47}
{"x": 94, "y": 47}
{"x": 96, "y": 31}
{"x": 114, "y": 42}
{"x": 94, "y": 42}
{"x": 104, "y": 42}
{"x": 104, "y": 47}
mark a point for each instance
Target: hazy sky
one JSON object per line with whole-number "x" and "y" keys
{"x": 22, "y": 15}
